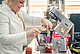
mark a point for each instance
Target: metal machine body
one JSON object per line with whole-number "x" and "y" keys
{"x": 62, "y": 29}
{"x": 65, "y": 24}
{"x": 58, "y": 44}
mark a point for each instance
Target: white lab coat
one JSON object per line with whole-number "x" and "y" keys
{"x": 12, "y": 34}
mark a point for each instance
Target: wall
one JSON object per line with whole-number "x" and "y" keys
{"x": 72, "y": 6}
{"x": 37, "y": 7}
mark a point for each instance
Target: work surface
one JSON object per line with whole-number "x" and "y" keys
{"x": 34, "y": 44}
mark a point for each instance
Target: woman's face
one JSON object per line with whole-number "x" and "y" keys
{"x": 17, "y": 4}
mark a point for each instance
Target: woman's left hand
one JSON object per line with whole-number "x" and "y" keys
{"x": 47, "y": 24}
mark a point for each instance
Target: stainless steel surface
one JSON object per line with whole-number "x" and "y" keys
{"x": 59, "y": 44}
{"x": 73, "y": 33}
{"x": 64, "y": 22}
{"x": 65, "y": 25}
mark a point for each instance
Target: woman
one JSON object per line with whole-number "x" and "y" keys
{"x": 12, "y": 34}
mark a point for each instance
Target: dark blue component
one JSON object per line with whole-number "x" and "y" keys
{"x": 44, "y": 41}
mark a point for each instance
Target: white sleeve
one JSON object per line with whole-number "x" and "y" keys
{"x": 30, "y": 20}
{"x": 10, "y": 39}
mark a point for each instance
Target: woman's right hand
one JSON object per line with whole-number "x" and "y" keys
{"x": 33, "y": 32}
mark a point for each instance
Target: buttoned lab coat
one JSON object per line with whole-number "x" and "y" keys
{"x": 12, "y": 34}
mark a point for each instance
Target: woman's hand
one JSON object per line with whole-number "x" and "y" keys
{"x": 47, "y": 24}
{"x": 33, "y": 32}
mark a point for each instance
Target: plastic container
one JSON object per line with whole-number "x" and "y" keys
{"x": 55, "y": 34}
{"x": 48, "y": 49}
{"x": 28, "y": 50}
{"x": 68, "y": 36}
{"x": 48, "y": 39}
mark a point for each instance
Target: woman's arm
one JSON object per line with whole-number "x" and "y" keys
{"x": 10, "y": 39}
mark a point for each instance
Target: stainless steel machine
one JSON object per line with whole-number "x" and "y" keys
{"x": 58, "y": 44}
